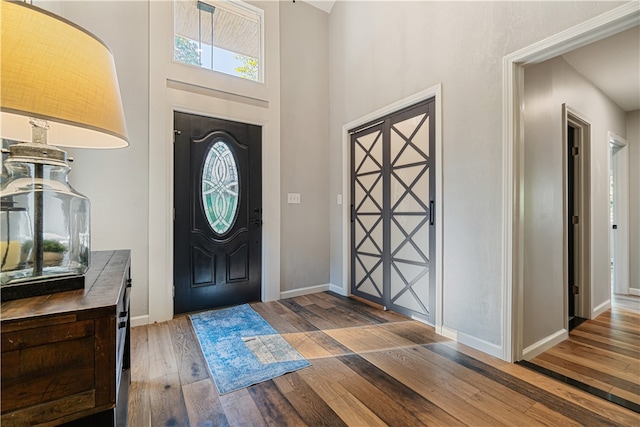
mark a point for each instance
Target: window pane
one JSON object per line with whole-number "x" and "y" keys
{"x": 220, "y": 187}
{"x": 220, "y": 36}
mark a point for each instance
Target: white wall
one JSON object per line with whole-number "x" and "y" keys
{"x": 547, "y": 86}
{"x": 304, "y": 115}
{"x": 116, "y": 181}
{"x": 381, "y": 52}
{"x": 633, "y": 138}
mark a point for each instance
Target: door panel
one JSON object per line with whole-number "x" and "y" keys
{"x": 366, "y": 232}
{"x": 393, "y": 192}
{"x": 412, "y": 190}
{"x": 217, "y": 201}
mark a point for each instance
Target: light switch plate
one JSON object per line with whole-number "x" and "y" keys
{"x": 293, "y": 198}
{"x": 339, "y": 199}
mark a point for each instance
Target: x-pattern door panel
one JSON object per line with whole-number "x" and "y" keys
{"x": 367, "y": 188}
{"x": 393, "y": 189}
{"x": 410, "y": 213}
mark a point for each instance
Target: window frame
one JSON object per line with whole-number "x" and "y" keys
{"x": 233, "y": 6}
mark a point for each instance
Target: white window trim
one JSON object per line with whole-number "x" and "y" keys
{"x": 216, "y": 95}
{"x": 235, "y": 4}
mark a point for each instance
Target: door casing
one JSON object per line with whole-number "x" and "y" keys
{"x": 181, "y": 88}
{"x": 582, "y": 190}
{"x": 393, "y": 159}
{"x": 620, "y": 165}
{"x": 513, "y": 65}
{"x": 434, "y": 91}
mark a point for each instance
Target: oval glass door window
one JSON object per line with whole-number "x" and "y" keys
{"x": 220, "y": 187}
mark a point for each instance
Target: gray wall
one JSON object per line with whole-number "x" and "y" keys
{"x": 547, "y": 86}
{"x": 117, "y": 181}
{"x": 381, "y": 52}
{"x": 304, "y": 116}
{"x": 378, "y": 53}
{"x": 633, "y": 138}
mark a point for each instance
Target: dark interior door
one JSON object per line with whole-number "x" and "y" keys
{"x": 572, "y": 229}
{"x": 217, "y": 213}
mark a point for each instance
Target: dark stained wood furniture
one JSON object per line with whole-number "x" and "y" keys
{"x": 65, "y": 356}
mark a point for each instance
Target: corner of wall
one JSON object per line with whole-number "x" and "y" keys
{"x": 544, "y": 344}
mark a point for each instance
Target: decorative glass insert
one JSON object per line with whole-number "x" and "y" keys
{"x": 219, "y": 35}
{"x": 220, "y": 187}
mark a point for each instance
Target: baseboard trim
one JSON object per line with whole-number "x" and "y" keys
{"x": 544, "y": 344}
{"x": 634, "y": 291}
{"x": 482, "y": 345}
{"x": 139, "y": 320}
{"x": 305, "y": 291}
{"x": 601, "y": 308}
{"x": 338, "y": 290}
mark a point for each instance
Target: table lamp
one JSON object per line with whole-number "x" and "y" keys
{"x": 58, "y": 86}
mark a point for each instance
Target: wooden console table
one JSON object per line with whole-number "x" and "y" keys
{"x": 65, "y": 356}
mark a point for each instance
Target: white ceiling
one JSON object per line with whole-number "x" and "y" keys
{"x": 613, "y": 65}
{"x": 325, "y": 5}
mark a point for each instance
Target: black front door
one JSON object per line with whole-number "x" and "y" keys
{"x": 218, "y": 213}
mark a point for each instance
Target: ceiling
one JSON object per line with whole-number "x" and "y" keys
{"x": 325, "y": 5}
{"x": 612, "y": 65}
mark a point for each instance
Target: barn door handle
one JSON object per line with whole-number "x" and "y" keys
{"x": 431, "y": 213}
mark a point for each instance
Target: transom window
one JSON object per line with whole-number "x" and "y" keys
{"x": 219, "y": 35}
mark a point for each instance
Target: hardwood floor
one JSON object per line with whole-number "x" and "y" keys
{"x": 601, "y": 355}
{"x": 369, "y": 368}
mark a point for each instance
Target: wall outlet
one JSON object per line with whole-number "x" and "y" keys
{"x": 293, "y": 198}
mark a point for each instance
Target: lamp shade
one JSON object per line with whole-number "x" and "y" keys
{"x": 53, "y": 70}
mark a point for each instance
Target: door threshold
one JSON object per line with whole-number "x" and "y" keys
{"x": 582, "y": 386}
{"x": 367, "y": 302}
{"x": 574, "y": 322}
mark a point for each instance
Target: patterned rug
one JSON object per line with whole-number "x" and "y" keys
{"x": 242, "y": 349}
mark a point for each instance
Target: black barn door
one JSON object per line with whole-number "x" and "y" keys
{"x": 218, "y": 213}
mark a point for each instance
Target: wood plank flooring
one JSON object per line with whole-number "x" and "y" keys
{"x": 601, "y": 355}
{"x": 369, "y": 368}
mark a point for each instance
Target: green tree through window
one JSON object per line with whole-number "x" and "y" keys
{"x": 186, "y": 51}
{"x": 249, "y": 68}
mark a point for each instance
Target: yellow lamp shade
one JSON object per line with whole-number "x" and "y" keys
{"x": 53, "y": 70}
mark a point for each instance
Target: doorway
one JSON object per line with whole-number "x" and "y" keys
{"x": 619, "y": 214}
{"x": 577, "y": 149}
{"x": 217, "y": 213}
{"x": 392, "y": 211}
{"x": 514, "y": 64}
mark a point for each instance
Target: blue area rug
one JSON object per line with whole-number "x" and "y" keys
{"x": 242, "y": 349}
